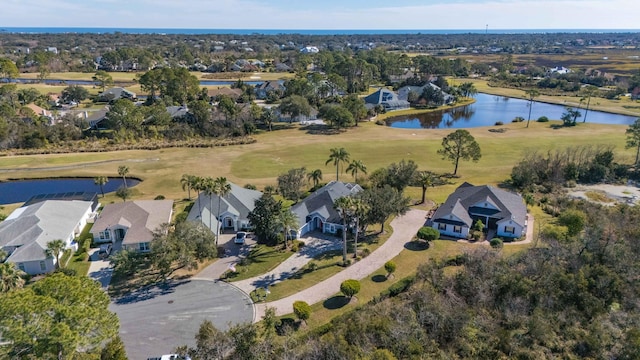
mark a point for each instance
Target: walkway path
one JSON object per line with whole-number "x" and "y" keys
{"x": 315, "y": 245}
{"x": 404, "y": 228}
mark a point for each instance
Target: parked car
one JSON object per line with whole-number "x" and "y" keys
{"x": 240, "y": 237}
{"x": 105, "y": 251}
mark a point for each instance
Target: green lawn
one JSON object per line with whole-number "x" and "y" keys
{"x": 260, "y": 260}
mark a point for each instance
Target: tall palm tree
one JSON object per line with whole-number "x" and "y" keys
{"x": 315, "y": 176}
{"x": 532, "y": 93}
{"x": 343, "y": 204}
{"x": 123, "y": 171}
{"x": 288, "y": 221}
{"x": 10, "y": 277}
{"x": 338, "y": 156}
{"x": 358, "y": 209}
{"x": 425, "y": 179}
{"x": 100, "y": 181}
{"x": 221, "y": 188}
{"x": 55, "y": 248}
{"x": 356, "y": 166}
{"x": 188, "y": 181}
{"x": 207, "y": 185}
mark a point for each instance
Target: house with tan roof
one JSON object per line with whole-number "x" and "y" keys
{"x": 503, "y": 213}
{"x": 132, "y": 223}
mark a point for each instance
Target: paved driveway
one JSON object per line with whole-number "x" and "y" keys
{"x": 99, "y": 270}
{"x": 159, "y": 319}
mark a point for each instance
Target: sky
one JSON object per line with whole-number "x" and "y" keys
{"x": 324, "y": 14}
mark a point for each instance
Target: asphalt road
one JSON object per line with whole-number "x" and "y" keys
{"x": 156, "y": 321}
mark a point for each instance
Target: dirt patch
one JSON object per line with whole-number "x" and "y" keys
{"x": 607, "y": 194}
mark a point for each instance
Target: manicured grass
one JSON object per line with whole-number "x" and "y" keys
{"x": 261, "y": 259}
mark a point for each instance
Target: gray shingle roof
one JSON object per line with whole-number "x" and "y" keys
{"x": 321, "y": 202}
{"x": 239, "y": 201}
{"x": 141, "y": 217}
{"x": 510, "y": 205}
{"x": 32, "y": 227}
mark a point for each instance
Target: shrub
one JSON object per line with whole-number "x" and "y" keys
{"x": 350, "y": 287}
{"x": 476, "y": 235}
{"x": 302, "y": 310}
{"x": 365, "y": 252}
{"x": 399, "y": 287}
{"x": 312, "y": 266}
{"x": 428, "y": 233}
{"x": 390, "y": 267}
{"x": 574, "y": 220}
{"x": 518, "y": 119}
{"x": 250, "y": 187}
{"x": 295, "y": 246}
{"x": 159, "y": 197}
{"x": 543, "y": 119}
{"x": 496, "y": 243}
{"x": 499, "y": 123}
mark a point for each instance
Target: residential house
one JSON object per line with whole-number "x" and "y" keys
{"x": 310, "y": 50}
{"x": 387, "y": 98}
{"x": 95, "y": 118}
{"x": 403, "y": 92}
{"x": 263, "y": 89}
{"x": 233, "y": 93}
{"x": 132, "y": 223}
{"x": 178, "y": 111}
{"x": 40, "y": 112}
{"x": 317, "y": 213}
{"x": 635, "y": 93}
{"x": 116, "y": 93}
{"x": 560, "y": 70}
{"x": 282, "y": 67}
{"x": 234, "y": 209}
{"x": 24, "y": 235}
{"x": 503, "y": 213}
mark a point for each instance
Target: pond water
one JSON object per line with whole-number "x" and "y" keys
{"x": 490, "y": 108}
{"x": 22, "y": 190}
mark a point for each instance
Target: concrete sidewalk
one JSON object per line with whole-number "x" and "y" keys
{"x": 404, "y": 228}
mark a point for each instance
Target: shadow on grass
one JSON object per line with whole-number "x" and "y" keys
{"x": 379, "y": 278}
{"x": 286, "y": 325}
{"x": 416, "y": 245}
{"x": 336, "y": 302}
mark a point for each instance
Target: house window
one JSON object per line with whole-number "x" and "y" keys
{"x": 509, "y": 229}
{"x": 457, "y": 229}
{"x": 144, "y": 246}
{"x": 442, "y": 226}
{"x": 43, "y": 266}
{"x": 21, "y": 266}
{"x": 105, "y": 235}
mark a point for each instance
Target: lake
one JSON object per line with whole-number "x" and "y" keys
{"x": 22, "y": 190}
{"x": 490, "y": 108}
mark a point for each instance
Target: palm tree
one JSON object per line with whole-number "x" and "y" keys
{"x": 207, "y": 185}
{"x": 221, "y": 188}
{"x": 188, "y": 182}
{"x": 315, "y": 176}
{"x": 54, "y": 249}
{"x": 197, "y": 185}
{"x": 100, "y": 181}
{"x": 288, "y": 221}
{"x": 355, "y": 166}
{"x": 123, "y": 171}
{"x": 338, "y": 156}
{"x": 587, "y": 92}
{"x": 425, "y": 179}
{"x": 343, "y": 204}
{"x": 10, "y": 277}
{"x": 533, "y": 93}
{"x": 359, "y": 208}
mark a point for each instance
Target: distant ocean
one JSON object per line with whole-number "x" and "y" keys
{"x": 78, "y": 30}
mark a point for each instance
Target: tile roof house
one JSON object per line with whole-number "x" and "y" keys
{"x": 403, "y": 92}
{"x": 387, "y": 98}
{"x": 116, "y": 93}
{"x": 316, "y": 212}
{"x": 501, "y": 211}
{"x": 266, "y": 87}
{"x": 24, "y": 235}
{"x": 234, "y": 209}
{"x": 234, "y": 93}
{"x": 132, "y": 222}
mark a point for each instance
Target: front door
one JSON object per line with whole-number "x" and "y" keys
{"x": 120, "y": 233}
{"x": 228, "y": 223}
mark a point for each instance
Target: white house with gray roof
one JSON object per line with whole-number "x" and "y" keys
{"x": 502, "y": 212}
{"x": 132, "y": 222}
{"x": 234, "y": 209}
{"x": 24, "y": 235}
{"x": 316, "y": 212}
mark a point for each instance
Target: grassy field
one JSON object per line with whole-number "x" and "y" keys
{"x": 276, "y": 152}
